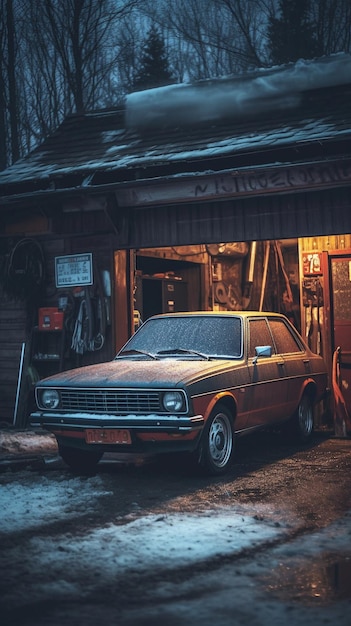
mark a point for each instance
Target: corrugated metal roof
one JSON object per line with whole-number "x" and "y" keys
{"x": 100, "y": 148}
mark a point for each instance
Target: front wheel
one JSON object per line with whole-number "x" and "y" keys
{"x": 217, "y": 445}
{"x": 78, "y": 460}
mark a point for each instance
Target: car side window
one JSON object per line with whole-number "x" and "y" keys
{"x": 283, "y": 337}
{"x": 259, "y": 335}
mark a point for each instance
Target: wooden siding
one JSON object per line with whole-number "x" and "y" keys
{"x": 13, "y": 321}
{"x": 17, "y": 320}
{"x": 328, "y": 243}
{"x": 253, "y": 219}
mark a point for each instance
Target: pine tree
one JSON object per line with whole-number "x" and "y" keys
{"x": 291, "y": 36}
{"x": 153, "y": 69}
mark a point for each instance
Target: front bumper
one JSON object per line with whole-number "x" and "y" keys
{"x": 138, "y": 423}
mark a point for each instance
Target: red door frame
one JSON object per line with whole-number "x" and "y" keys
{"x": 332, "y": 327}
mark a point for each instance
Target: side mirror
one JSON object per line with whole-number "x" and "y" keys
{"x": 262, "y": 351}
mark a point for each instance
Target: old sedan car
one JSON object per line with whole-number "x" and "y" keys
{"x": 186, "y": 382}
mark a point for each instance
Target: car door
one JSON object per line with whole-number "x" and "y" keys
{"x": 268, "y": 383}
{"x": 296, "y": 361}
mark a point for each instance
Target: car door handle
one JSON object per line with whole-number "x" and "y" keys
{"x": 306, "y": 363}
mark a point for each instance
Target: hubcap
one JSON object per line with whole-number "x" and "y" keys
{"x": 220, "y": 440}
{"x": 305, "y": 418}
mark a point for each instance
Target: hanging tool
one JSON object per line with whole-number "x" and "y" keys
{"x": 318, "y": 306}
{"x": 265, "y": 270}
{"x": 249, "y": 279}
{"x": 289, "y": 297}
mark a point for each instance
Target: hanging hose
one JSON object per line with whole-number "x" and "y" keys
{"x": 86, "y": 336}
{"x": 25, "y": 270}
{"x": 78, "y": 344}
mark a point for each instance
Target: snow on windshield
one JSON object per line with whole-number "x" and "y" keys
{"x": 209, "y": 335}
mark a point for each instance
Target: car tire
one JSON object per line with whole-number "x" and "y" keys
{"x": 79, "y": 461}
{"x": 217, "y": 443}
{"x": 301, "y": 424}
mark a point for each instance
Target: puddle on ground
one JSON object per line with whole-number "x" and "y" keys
{"x": 326, "y": 579}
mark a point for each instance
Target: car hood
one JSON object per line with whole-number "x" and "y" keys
{"x": 131, "y": 373}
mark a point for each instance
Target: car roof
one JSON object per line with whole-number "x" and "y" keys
{"x": 243, "y": 314}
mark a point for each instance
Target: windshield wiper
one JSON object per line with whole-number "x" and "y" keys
{"x": 183, "y": 351}
{"x": 143, "y": 352}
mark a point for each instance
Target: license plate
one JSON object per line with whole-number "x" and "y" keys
{"x": 107, "y": 435}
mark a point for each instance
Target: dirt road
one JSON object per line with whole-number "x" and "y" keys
{"x": 146, "y": 542}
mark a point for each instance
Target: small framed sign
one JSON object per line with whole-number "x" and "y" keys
{"x": 74, "y": 270}
{"x": 311, "y": 263}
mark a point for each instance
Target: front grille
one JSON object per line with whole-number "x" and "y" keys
{"x": 114, "y": 402}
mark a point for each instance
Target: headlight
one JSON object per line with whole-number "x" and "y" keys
{"x": 49, "y": 399}
{"x": 173, "y": 401}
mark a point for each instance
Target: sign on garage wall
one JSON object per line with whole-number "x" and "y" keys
{"x": 74, "y": 269}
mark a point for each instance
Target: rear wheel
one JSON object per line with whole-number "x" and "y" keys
{"x": 301, "y": 424}
{"x": 217, "y": 444}
{"x": 80, "y": 461}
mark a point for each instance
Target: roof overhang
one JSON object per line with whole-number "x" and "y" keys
{"x": 199, "y": 186}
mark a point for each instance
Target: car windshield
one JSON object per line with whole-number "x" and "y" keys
{"x": 207, "y": 336}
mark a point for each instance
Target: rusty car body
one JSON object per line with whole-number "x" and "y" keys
{"x": 186, "y": 382}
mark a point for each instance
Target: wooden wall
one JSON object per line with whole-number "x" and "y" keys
{"x": 13, "y": 321}
{"x": 18, "y": 317}
{"x": 321, "y": 244}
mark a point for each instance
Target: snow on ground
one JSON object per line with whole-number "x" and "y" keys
{"x": 49, "y": 559}
{"x": 146, "y": 539}
{"x": 27, "y": 506}
{"x": 66, "y": 566}
{"x": 54, "y": 562}
{"x": 14, "y": 442}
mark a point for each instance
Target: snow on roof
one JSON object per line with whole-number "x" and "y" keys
{"x": 228, "y": 97}
{"x": 176, "y": 128}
